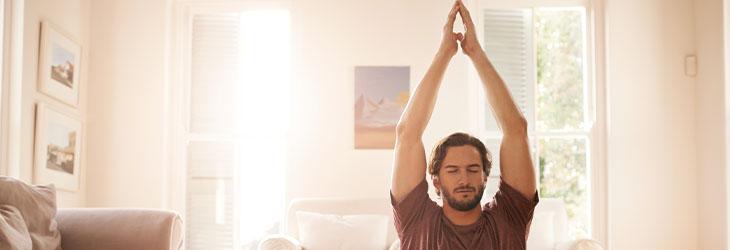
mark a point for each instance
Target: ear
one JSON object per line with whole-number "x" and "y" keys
{"x": 436, "y": 183}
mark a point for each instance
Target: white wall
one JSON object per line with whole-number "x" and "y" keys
{"x": 710, "y": 111}
{"x": 73, "y": 18}
{"x": 652, "y": 134}
{"x": 125, "y": 122}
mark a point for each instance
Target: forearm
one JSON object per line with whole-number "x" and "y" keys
{"x": 514, "y": 152}
{"x": 516, "y": 165}
{"x": 420, "y": 107}
{"x": 508, "y": 115}
{"x": 410, "y": 157}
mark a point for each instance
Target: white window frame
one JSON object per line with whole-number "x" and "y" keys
{"x": 595, "y": 102}
{"x": 11, "y": 86}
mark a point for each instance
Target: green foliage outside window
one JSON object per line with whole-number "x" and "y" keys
{"x": 560, "y": 104}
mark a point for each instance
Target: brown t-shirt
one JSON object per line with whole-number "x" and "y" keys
{"x": 503, "y": 224}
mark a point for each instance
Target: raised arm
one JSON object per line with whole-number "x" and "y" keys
{"x": 515, "y": 161}
{"x": 410, "y": 156}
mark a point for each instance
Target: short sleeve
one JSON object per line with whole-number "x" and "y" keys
{"x": 414, "y": 209}
{"x": 516, "y": 209}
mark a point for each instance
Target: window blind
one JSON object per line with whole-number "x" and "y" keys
{"x": 508, "y": 41}
{"x": 210, "y": 200}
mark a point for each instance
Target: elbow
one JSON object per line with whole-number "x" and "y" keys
{"x": 517, "y": 128}
{"x": 404, "y": 133}
{"x": 401, "y": 129}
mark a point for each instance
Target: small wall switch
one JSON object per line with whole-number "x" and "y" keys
{"x": 690, "y": 65}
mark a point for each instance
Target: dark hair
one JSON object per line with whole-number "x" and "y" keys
{"x": 456, "y": 140}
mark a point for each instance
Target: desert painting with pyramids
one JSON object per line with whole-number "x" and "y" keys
{"x": 381, "y": 94}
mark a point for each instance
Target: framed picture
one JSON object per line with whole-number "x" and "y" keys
{"x": 57, "y": 149}
{"x": 59, "y": 64}
{"x": 381, "y": 95}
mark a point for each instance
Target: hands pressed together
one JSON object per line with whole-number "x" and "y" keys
{"x": 450, "y": 41}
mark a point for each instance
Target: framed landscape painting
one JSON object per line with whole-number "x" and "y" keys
{"x": 58, "y": 66}
{"x": 381, "y": 95}
{"x": 57, "y": 149}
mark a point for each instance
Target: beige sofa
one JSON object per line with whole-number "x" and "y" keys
{"x": 29, "y": 219}
{"x": 118, "y": 229}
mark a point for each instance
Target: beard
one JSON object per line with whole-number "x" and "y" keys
{"x": 464, "y": 205}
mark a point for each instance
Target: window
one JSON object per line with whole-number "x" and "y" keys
{"x": 542, "y": 55}
{"x": 235, "y": 126}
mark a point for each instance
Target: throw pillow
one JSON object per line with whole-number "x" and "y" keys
{"x": 13, "y": 232}
{"x": 37, "y": 204}
{"x": 342, "y": 232}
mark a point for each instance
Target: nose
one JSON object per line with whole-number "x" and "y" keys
{"x": 463, "y": 177}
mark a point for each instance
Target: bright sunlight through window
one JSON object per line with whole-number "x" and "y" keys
{"x": 262, "y": 101}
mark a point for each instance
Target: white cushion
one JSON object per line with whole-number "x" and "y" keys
{"x": 338, "y": 232}
{"x": 542, "y": 234}
{"x": 586, "y": 244}
{"x": 395, "y": 245}
{"x": 279, "y": 242}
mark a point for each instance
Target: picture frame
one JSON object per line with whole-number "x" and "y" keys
{"x": 59, "y": 65}
{"x": 58, "y": 140}
{"x": 381, "y": 95}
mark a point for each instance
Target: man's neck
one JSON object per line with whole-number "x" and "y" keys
{"x": 462, "y": 218}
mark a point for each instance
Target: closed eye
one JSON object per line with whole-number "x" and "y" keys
{"x": 451, "y": 169}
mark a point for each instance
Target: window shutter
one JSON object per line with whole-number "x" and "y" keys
{"x": 214, "y": 67}
{"x": 508, "y": 42}
{"x": 211, "y": 151}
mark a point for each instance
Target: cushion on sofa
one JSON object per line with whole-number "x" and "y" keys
{"x": 37, "y": 205}
{"x": 13, "y": 232}
{"x": 395, "y": 245}
{"x": 587, "y": 244}
{"x": 343, "y": 232}
{"x": 279, "y": 242}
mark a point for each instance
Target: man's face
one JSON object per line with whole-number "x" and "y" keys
{"x": 461, "y": 178}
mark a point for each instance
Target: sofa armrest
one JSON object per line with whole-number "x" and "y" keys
{"x": 112, "y": 229}
{"x": 279, "y": 242}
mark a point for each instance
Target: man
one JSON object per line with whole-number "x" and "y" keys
{"x": 460, "y": 164}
